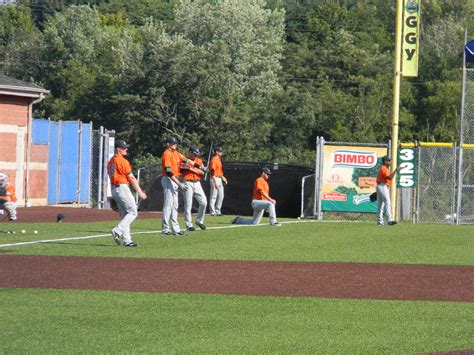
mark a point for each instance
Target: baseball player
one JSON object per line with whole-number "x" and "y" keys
{"x": 121, "y": 176}
{"x": 8, "y": 197}
{"x": 192, "y": 178}
{"x": 171, "y": 162}
{"x": 261, "y": 201}
{"x": 217, "y": 182}
{"x": 384, "y": 178}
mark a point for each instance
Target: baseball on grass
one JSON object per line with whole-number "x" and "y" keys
{"x": 36, "y": 232}
{"x": 23, "y": 231}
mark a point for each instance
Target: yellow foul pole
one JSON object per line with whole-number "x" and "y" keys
{"x": 396, "y": 99}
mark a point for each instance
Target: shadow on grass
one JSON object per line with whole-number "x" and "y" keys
{"x": 83, "y": 244}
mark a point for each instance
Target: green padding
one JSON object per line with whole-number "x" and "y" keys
{"x": 349, "y": 205}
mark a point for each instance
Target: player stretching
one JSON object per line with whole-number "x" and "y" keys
{"x": 171, "y": 161}
{"x": 261, "y": 201}
{"x": 120, "y": 173}
{"x": 192, "y": 178}
{"x": 384, "y": 178}
{"x": 216, "y": 181}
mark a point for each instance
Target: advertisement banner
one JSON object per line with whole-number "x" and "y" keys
{"x": 349, "y": 177}
{"x": 411, "y": 38}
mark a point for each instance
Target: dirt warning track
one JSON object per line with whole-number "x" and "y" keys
{"x": 256, "y": 278}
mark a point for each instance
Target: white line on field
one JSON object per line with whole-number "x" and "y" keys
{"x": 151, "y": 232}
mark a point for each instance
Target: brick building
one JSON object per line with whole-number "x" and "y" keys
{"x": 25, "y": 163}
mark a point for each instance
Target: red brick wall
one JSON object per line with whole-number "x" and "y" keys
{"x": 39, "y": 172}
{"x": 7, "y": 147}
{"x": 14, "y": 110}
{"x": 14, "y": 113}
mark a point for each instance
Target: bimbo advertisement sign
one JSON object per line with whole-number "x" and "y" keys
{"x": 349, "y": 177}
{"x": 354, "y": 159}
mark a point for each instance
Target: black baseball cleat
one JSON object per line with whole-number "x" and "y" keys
{"x": 167, "y": 233}
{"x": 131, "y": 244}
{"x": 190, "y": 229}
{"x": 235, "y": 219}
{"x": 392, "y": 223}
{"x": 180, "y": 233}
{"x": 275, "y": 224}
{"x": 201, "y": 225}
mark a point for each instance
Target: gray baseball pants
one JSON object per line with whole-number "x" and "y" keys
{"x": 259, "y": 207}
{"x": 10, "y": 207}
{"x": 194, "y": 191}
{"x": 127, "y": 209}
{"x": 384, "y": 205}
{"x": 170, "y": 206}
{"x": 217, "y": 196}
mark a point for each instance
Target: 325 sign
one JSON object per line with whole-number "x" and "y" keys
{"x": 407, "y": 173}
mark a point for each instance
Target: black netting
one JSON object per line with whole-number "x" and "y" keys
{"x": 285, "y": 187}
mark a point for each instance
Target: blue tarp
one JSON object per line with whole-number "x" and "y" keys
{"x": 70, "y": 149}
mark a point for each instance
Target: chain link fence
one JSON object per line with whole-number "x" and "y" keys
{"x": 102, "y": 141}
{"x": 465, "y": 211}
{"x": 433, "y": 200}
{"x": 465, "y": 204}
{"x": 467, "y": 117}
{"x": 436, "y": 190}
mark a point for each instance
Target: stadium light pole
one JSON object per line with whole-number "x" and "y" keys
{"x": 396, "y": 99}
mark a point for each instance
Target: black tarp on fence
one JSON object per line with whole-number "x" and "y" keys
{"x": 285, "y": 187}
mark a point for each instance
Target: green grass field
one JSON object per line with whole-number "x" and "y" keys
{"x": 66, "y": 321}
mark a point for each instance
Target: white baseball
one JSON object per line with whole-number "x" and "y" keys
{"x": 23, "y": 231}
{"x": 36, "y": 232}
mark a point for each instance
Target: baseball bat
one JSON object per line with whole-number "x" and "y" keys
{"x": 208, "y": 160}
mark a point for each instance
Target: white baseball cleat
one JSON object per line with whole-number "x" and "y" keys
{"x": 116, "y": 235}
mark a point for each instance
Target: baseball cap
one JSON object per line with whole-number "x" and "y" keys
{"x": 121, "y": 144}
{"x": 218, "y": 149}
{"x": 172, "y": 140}
{"x": 195, "y": 150}
{"x": 386, "y": 158}
{"x": 266, "y": 171}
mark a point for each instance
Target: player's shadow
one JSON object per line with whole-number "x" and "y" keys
{"x": 83, "y": 244}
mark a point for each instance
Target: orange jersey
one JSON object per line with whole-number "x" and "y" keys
{"x": 383, "y": 176}
{"x": 215, "y": 167}
{"x": 190, "y": 175}
{"x": 260, "y": 185}
{"x": 118, "y": 169}
{"x": 171, "y": 159}
{"x": 9, "y": 192}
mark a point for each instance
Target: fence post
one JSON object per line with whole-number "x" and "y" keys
{"x": 100, "y": 165}
{"x": 60, "y": 143}
{"x": 302, "y": 197}
{"x": 79, "y": 163}
{"x": 316, "y": 170}
{"x": 453, "y": 184}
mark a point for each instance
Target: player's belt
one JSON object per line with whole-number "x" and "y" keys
{"x": 193, "y": 180}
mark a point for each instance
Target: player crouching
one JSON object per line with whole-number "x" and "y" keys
{"x": 7, "y": 197}
{"x": 261, "y": 201}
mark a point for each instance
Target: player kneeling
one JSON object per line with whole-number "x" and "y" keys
{"x": 261, "y": 201}
{"x": 7, "y": 197}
